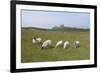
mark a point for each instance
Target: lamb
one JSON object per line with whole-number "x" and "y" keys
{"x": 66, "y": 44}
{"x": 77, "y": 44}
{"x": 59, "y": 43}
{"x": 47, "y": 44}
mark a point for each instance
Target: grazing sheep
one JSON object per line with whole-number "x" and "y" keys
{"x": 34, "y": 40}
{"x": 59, "y": 43}
{"x": 38, "y": 40}
{"x": 66, "y": 44}
{"x": 77, "y": 44}
{"x": 46, "y": 44}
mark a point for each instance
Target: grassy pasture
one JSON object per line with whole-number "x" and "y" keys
{"x": 34, "y": 53}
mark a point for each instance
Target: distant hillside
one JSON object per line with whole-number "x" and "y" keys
{"x": 70, "y": 28}
{"x": 36, "y": 28}
{"x": 62, "y": 27}
{"x": 57, "y": 29}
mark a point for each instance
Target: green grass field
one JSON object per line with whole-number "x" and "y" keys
{"x": 34, "y": 53}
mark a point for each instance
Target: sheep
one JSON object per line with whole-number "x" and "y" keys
{"x": 38, "y": 40}
{"x": 77, "y": 44}
{"x": 66, "y": 44}
{"x": 34, "y": 40}
{"x": 47, "y": 44}
{"x": 59, "y": 43}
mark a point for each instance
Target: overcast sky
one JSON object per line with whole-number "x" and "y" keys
{"x": 49, "y": 19}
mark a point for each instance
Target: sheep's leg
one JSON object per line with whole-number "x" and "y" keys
{"x": 77, "y": 46}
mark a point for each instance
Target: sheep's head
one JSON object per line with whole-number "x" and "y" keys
{"x": 34, "y": 38}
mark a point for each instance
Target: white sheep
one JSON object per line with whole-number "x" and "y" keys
{"x": 46, "y": 44}
{"x": 34, "y": 40}
{"x": 38, "y": 40}
{"x": 66, "y": 44}
{"x": 77, "y": 44}
{"x": 59, "y": 43}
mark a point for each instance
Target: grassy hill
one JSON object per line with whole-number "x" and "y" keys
{"x": 34, "y": 53}
{"x": 58, "y": 29}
